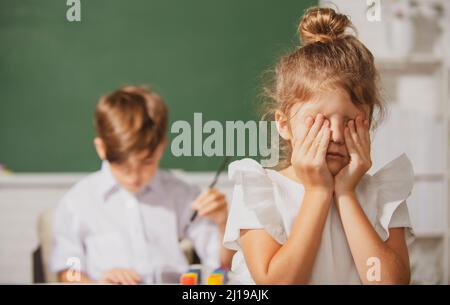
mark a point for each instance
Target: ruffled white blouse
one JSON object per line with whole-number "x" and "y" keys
{"x": 265, "y": 199}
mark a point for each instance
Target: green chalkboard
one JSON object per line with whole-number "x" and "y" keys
{"x": 200, "y": 55}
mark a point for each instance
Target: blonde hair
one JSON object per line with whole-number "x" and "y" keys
{"x": 330, "y": 56}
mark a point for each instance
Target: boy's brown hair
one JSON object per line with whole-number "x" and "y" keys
{"x": 130, "y": 120}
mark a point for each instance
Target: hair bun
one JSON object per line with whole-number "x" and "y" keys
{"x": 321, "y": 24}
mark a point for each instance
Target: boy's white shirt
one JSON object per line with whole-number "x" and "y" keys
{"x": 101, "y": 226}
{"x": 264, "y": 199}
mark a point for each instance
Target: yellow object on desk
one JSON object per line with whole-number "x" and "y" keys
{"x": 215, "y": 279}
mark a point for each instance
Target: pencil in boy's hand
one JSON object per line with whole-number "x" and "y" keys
{"x": 214, "y": 182}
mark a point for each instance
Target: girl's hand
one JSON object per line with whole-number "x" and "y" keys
{"x": 357, "y": 140}
{"x": 213, "y": 205}
{"x": 309, "y": 155}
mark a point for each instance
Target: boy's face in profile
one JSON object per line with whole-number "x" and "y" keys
{"x": 137, "y": 170}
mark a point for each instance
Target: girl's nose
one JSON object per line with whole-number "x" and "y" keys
{"x": 337, "y": 130}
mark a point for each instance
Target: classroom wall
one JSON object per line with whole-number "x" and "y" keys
{"x": 201, "y": 55}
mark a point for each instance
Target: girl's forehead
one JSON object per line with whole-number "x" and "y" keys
{"x": 336, "y": 102}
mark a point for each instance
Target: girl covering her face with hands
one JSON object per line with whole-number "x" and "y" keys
{"x": 322, "y": 219}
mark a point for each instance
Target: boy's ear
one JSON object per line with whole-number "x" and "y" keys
{"x": 100, "y": 148}
{"x": 282, "y": 124}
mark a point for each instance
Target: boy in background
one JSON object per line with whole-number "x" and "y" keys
{"x": 123, "y": 224}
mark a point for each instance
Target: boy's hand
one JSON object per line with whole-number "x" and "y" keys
{"x": 309, "y": 151}
{"x": 212, "y": 204}
{"x": 120, "y": 276}
{"x": 357, "y": 140}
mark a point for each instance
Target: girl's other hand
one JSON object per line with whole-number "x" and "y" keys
{"x": 357, "y": 140}
{"x": 309, "y": 155}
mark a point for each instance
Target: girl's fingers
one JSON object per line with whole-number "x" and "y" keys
{"x": 361, "y": 130}
{"x": 354, "y": 150}
{"x": 324, "y": 142}
{"x": 359, "y": 127}
{"x": 312, "y": 134}
{"x": 355, "y": 137}
{"x": 309, "y": 121}
{"x": 299, "y": 137}
{"x": 363, "y": 134}
{"x": 318, "y": 139}
{"x": 367, "y": 134}
{"x": 351, "y": 147}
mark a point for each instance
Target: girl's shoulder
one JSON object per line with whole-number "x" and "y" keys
{"x": 249, "y": 172}
{"x": 245, "y": 166}
{"x": 384, "y": 195}
{"x": 250, "y": 175}
{"x": 254, "y": 203}
{"x": 394, "y": 180}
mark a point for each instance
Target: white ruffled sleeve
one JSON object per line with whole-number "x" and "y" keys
{"x": 253, "y": 204}
{"x": 394, "y": 183}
